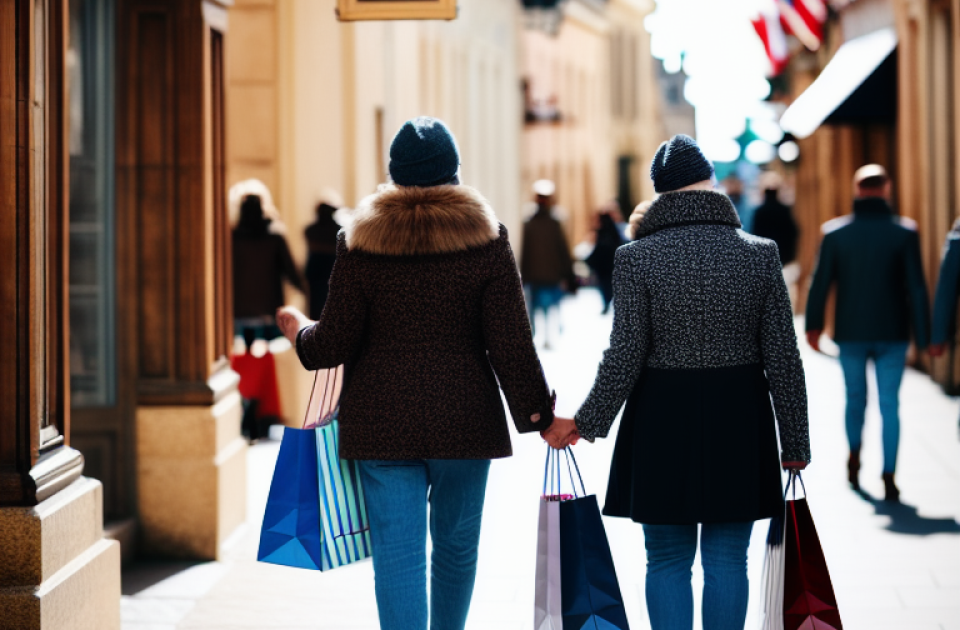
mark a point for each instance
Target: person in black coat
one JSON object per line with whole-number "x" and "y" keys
{"x": 945, "y": 300}
{"x": 321, "y": 254}
{"x": 774, "y": 220}
{"x": 261, "y": 262}
{"x": 873, "y": 258}
{"x": 608, "y": 239}
{"x": 702, "y": 339}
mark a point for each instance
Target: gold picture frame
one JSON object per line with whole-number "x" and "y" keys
{"x": 352, "y": 10}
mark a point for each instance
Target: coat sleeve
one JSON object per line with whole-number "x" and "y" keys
{"x": 622, "y": 361}
{"x": 337, "y": 336}
{"x": 510, "y": 349}
{"x": 781, "y": 360}
{"x": 822, "y": 279}
{"x": 287, "y": 266}
{"x": 917, "y": 290}
{"x": 945, "y": 302}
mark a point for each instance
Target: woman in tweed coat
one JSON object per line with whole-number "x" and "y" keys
{"x": 426, "y": 313}
{"x": 703, "y": 336}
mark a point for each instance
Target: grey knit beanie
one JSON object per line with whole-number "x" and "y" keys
{"x": 423, "y": 153}
{"x": 679, "y": 162}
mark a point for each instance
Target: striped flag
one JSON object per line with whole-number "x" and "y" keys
{"x": 768, "y": 27}
{"x": 804, "y": 19}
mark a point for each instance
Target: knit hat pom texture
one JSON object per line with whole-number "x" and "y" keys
{"x": 679, "y": 162}
{"x": 423, "y": 153}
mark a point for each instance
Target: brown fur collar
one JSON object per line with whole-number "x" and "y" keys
{"x": 407, "y": 220}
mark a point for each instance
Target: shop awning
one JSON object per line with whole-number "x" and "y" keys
{"x": 858, "y": 85}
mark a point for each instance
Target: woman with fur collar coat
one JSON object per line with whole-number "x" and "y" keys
{"x": 703, "y": 338}
{"x": 426, "y": 313}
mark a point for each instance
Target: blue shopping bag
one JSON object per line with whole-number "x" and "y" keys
{"x": 316, "y": 516}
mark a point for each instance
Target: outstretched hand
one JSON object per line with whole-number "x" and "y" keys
{"x": 562, "y": 433}
{"x": 290, "y": 320}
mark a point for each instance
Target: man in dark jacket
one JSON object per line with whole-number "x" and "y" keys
{"x": 545, "y": 263}
{"x": 945, "y": 302}
{"x": 873, "y": 257}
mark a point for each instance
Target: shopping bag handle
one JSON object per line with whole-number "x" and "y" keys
{"x": 794, "y": 476}
{"x": 328, "y": 388}
{"x": 552, "y": 475}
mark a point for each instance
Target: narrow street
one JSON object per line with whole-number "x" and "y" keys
{"x": 893, "y": 566}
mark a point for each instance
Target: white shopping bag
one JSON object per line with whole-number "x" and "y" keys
{"x": 547, "y": 614}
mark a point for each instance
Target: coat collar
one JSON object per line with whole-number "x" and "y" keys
{"x": 872, "y": 207}
{"x": 689, "y": 207}
{"x": 408, "y": 220}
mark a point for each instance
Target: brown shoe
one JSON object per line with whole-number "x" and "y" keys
{"x": 853, "y": 469}
{"x": 890, "y": 490}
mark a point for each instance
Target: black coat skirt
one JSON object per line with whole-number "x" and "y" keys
{"x": 697, "y": 446}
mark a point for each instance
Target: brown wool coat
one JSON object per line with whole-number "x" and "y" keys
{"x": 426, "y": 312}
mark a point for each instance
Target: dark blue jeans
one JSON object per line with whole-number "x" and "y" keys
{"x": 723, "y": 552}
{"x": 398, "y": 494}
{"x": 889, "y": 360}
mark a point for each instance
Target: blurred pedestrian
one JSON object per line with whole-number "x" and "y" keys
{"x": 703, "y": 339}
{"x": 261, "y": 262}
{"x": 545, "y": 263}
{"x": 426, "y": 311}
{"x": 945, "y": 301}
{"x": 606, "y": 241}
{"x": 872, "y": 256}
{"x": 321, "y": 238}
{"x": 773, "y": 219}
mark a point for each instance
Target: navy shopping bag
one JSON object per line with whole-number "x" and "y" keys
{"x": 590, "y": 593}
{"x": 589, "y": 597}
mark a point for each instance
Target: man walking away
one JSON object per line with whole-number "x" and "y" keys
{"x": 545, "y": 262}
{"x": 873, "y": 257}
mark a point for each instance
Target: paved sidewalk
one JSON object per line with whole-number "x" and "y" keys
{"x": 893, "y": 566}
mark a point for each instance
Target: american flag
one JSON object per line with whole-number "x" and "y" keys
{"x": 767, "y": 24}
{"x": 804, "y": 19}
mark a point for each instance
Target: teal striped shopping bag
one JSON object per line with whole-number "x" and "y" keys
{"x": 316, "y": 516}
{"x": 345, "y": 529}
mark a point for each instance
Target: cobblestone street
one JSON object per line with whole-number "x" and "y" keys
{"x": 893, "y": 566}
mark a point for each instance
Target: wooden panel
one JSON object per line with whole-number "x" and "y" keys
{"x": 156, "y": 237}
{"x": 171, "y": 197}
{"x": 33, "y": 213}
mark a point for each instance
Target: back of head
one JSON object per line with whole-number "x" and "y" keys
{"x": 424, "y": 153}
{"x": 679, "y": 163}
{"x": 251, "y": 214}
{"x": 871, "y": 181}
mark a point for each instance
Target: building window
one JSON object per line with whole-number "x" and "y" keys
{"x": 92, "y": 284}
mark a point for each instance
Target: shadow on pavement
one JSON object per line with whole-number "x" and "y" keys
{"x": 905, "y": 520}
{"x": 140, "y": 576}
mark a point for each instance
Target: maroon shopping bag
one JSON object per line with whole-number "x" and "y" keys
{"x": 809, "y": 602}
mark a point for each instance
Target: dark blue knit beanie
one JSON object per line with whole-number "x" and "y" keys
{"x": 423, "y": 153}
{"x": 678, "y": 163}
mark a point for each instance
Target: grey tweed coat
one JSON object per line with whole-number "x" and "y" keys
{"x": 703, "y": 338}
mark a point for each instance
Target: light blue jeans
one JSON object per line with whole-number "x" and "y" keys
{"x": 398, "y": 494}
{"x": 723, "y": 553}
{"x": 890, "y": 360}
